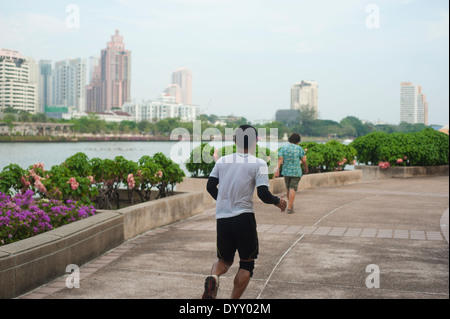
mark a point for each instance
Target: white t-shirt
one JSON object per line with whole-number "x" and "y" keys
{"x": 238, "y": 176}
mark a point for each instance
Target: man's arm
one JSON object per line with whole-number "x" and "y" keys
{"x": 266, "y": 196}
{"x": 211, "y": 187}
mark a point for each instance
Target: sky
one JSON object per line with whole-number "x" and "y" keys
{"x": 246, "y": 54}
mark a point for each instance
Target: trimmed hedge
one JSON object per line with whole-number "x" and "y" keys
{"x": 426, "y": 148}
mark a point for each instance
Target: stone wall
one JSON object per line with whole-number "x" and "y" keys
{"x": 32, "y": 262}
{"x": 375, "y": 172}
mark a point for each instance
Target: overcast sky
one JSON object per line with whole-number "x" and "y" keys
{"x": 246, "y": 54}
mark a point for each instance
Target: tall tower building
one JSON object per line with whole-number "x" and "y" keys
{"x": 45, "y": 84}
{"x": 115, "y": 66}
{"x": 305, "y": 94}
{"x": 18, "y": 82}
{"x": 183, "y": 78}
{"x": 413, "y": 104}
{"x": 69, "y": 84}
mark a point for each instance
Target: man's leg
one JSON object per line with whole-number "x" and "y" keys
{"x": 220, "y": 267}
{"x": 242, "y": 278}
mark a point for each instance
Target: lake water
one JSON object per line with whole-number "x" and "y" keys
{"x": 52, "y": 153}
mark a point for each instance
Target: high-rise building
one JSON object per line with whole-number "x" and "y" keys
{"x": 183, "y": 78}
{"x": 93, "y": 61}
{"x": 305, "y": 94}
{"x": 413, "y": 104}
{"x": 93, "y": 91}
{"x": 115, "y": 78}
{"x": 45, "y": 84}
{"x": 18, "y": 82}
{"x": 110, "y": 84}
{"x": 69, "y": 84}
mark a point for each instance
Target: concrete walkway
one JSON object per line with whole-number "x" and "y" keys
{"x": 375, "y": 239}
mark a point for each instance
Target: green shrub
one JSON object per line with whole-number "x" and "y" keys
{"x": 328, "y": 157}
{"x": 196, "y": 164}
{"x": 198, "y": 167}
{"x": 425, "y": 148}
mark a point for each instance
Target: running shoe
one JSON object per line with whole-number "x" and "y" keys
{"x": 211, "y": 287}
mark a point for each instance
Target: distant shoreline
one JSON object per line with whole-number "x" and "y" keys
{"x": 77, "y": 139}
{"x": 54, "y": 139}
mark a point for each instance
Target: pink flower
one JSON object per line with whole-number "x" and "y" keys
{"x": 400, "y": 161}
{"x": 131, "y": 182}
{"x": 38, "y": 184}
{"x": 38, "y": 165}
{"x": 74, "y": 186}
{"x": 405, "y": 158}
{"x": 160, "y": 174}
{"x": 91, "y": 179}
{"x": 73, "y": 183}
{"x": 384, "y": 165}
{"x": 306, "y": 150}
{"x": 25, "y": 182}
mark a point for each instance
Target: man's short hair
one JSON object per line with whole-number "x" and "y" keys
{"x": 295, "y": 138}
{"x": 245, "y": 136}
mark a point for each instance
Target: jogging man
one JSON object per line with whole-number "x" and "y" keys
{"x": 238, "y": 174}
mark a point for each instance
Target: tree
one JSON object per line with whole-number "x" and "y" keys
{"x": 307, "y": 117}
{"x": 359, "y": 128}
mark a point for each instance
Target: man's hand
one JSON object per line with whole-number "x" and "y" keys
{"x": 282, "y": 204}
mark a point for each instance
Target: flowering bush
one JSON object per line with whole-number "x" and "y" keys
{"x": 22, "y": 216}
{"x": 97, "y": 180}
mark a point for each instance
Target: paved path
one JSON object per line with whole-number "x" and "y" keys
{"x": 376, "y": 239}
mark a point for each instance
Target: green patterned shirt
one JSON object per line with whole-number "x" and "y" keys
{"x": 292, "y": 155}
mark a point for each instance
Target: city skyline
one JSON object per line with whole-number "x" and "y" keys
{"x": 246, "y": 55}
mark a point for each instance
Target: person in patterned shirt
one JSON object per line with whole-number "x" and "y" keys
{"x": 292, "y": 156}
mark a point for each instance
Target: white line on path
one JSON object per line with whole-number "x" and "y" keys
{"x": 300, "y": 238}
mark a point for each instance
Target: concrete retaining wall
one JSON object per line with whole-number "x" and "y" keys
{"x": 375, "y": 172}
{"x": 277, "y": 185}
{"x": 32, "y": 262}
{"x": 143, "y": 217}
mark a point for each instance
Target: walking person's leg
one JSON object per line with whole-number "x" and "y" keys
{"x": 292, "y": 186}
{"x": 291, "y": 198}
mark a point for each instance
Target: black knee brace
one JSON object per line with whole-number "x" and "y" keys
{"x": 247, "y": 265}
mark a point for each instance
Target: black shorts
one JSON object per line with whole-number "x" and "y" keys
{"x": 237, "y": 233}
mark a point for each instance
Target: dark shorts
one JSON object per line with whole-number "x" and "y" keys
{"x": 237, "y": 233}
{"x": 292, "y": 182}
